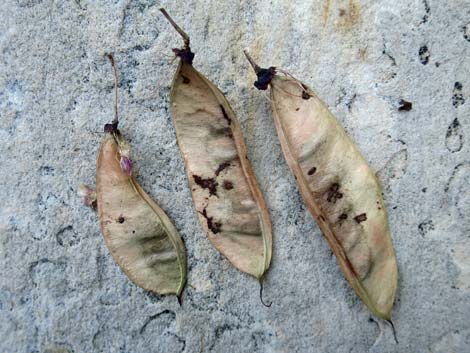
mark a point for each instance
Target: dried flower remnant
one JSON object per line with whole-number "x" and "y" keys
{"x": 126, "y": 165}
{"x": 339, "y": 189}
{"x": 88, "y": 195}
{"x": 125, "y": 161}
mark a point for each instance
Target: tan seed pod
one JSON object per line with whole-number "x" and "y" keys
{"x": 138, "y": 233}
{"x": 229, "y": 203}
{"x": 339, "y": 188}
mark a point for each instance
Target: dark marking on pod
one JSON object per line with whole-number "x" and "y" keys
{"x": 221, "y": 167}
{"x": 121, "y": 219}
{"x": 361, "y": 218}
{"x": 186, "y": 80}
{"x": 312, "y": 171}
{"x": 333, "y": 194}
{"x": 209, "y": 184}
{"x": 213, "y": 226}
{"x": 226, "y": 117}
{"x": 227, "y": 185}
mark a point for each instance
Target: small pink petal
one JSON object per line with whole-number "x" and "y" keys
{"x": 88, "y": 195}
{"x": 126, "y": 165}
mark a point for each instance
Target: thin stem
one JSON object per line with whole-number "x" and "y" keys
{"x": 178, "y": 28}
{"x": 393, "y": 328}
{"x": 252, "y": 62}
{"x": 261, "y": 294}
{"x": 111, "y": 59}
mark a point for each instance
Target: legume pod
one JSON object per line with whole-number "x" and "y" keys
{"x": 138, "y": 233}
{"x": 226, "y": 196}
{"x": 338, "y": 187}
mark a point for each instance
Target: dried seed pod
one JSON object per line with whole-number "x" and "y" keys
{"x": 138, "y": 233}
{"x": 229, "y": 203}
{"x": 339, "y": 188}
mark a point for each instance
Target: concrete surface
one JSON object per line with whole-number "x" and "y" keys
{"x": 60, "y": 291}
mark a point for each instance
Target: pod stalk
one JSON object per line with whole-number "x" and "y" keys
{"x": 176, "y": 27}
{"x": 115, "y": 120}
{"x": 252, "y": 62}
{"x": 184, "y": 54}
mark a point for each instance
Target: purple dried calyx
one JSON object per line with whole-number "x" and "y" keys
{"x": 184, "y": 54}
{"x": 111, "y": 128}
{"x": 265, "y": 77}
{"x": 126, "y": 165}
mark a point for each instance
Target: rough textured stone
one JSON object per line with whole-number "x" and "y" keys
{"x": 60, "y": 291}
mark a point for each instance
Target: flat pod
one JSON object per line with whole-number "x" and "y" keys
{"x": 227, "y": 198}
{"x": 139, "y": 235}
{"x": 339, "y": 188}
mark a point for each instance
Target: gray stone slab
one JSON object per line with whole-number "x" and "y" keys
{"x": 60, "y": 291}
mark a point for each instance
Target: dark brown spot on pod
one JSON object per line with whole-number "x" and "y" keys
{"x": 361, "y": 218}
{"x": 312, "y": 171}
{"x": 226, "y": 117}
{"x": 343, "y": 216}
{"x": 186, "y": 80}
{"x": 228, "y": 185}
{"x": 121, "y": 219}
{"x": 221, "y": 167}
{"x": 333, "y": 194}
{"x": 305, "y": 94}
{"x": 213, "y": 226}
{"x": 209, "y": 184}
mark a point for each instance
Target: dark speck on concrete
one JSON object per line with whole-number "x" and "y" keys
{"x": 405, "y": 105}
{"x": 457, "y": 97}
{"x": 424, "y": 55}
